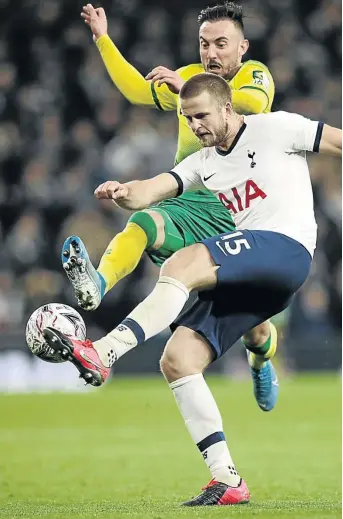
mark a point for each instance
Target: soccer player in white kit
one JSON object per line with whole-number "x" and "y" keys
{"x": 256, "y": 166}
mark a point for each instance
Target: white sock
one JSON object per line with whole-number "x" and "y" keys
{"x": 149, "y": 318}
{"x": 204, "y": 423}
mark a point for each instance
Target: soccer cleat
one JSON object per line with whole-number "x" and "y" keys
{"x": 266, "y": 386}
{"x": 217, "y": 493}
{"x": 81, "y": 353}
{"x": 89, "y": 286}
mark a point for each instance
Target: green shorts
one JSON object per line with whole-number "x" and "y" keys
{"x": 189, "y": 219}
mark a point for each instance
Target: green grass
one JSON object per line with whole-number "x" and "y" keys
{"x": 123, "y": 451}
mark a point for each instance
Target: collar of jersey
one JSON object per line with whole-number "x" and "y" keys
{"x": 234, "y": 142}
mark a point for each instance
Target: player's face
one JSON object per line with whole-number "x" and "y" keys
{"x": 222, "y": 46}
{"x": 207, "y": 120}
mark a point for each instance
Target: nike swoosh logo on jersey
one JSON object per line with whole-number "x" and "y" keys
{"x": 206, "y": 178}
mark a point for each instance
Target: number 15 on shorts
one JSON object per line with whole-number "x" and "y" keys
{"x": 232, "y": 244}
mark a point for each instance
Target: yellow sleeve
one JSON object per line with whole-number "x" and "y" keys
{"x": 252, "y": 89}
{"x": 127, "y": 79}
{"x": 164, "y": 99}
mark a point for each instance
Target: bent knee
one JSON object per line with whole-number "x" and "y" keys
{"x": 152, "y": 224}
{"x": 186, "y": 353}
{"x": 172, "y": 367}
{"x": 258, "y": 335}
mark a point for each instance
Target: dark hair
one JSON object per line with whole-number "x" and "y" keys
{"x": 226, "y": 11}
{"x": 207, "y": 82}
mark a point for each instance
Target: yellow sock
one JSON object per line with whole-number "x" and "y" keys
{"x": 268, "y": 350}
{"x": 273, "y": 342}
{"x": 122, "y": 254}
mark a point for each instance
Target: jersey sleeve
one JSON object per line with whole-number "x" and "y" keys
{"x": 255, "y": 77}
{"x": 188, "y": 173}
{"x": 298, "y": 133}
{"x": 127, "y": 79}
{"x": 163, "y": 98}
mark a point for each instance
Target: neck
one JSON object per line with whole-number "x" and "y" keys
{"x": 233, "y": 71}
{"x": 235, "y": 124}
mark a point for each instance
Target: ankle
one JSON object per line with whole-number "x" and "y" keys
{"x": 227, "y": 475}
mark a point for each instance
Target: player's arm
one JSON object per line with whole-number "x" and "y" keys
{"x": 331, "y": 141}
{"x": 140, "y": 194}
{"x": 126, "y": 78}
{"x": 129, "y": 81}
{"x": 252, "y": 90}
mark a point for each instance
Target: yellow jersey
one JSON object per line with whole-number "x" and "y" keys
{"x": 252, "y": 75}
{"x": 252, "y": 90}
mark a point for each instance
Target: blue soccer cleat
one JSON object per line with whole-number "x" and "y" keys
{"x": 266, "y": 386}
{"x": 89, "y": 286}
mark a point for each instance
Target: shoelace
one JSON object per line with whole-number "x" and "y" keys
{"x": 263, "y": 376}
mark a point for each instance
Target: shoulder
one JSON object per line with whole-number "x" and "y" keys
{"x": 279, "y": 127}
{"x": 255, "y": 72}
{"x": 254, "y": 65}
{"x": 269, "y": 119}
{"x": 268, "y": 124}
{"x": 198, "y": 157}
{"x": 190, "y": 70}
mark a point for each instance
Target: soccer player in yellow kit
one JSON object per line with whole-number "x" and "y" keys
{"x": 192, "y": 217}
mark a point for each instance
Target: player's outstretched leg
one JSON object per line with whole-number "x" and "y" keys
{"x": 265, "y": 382}
{"x": 80, "y": 353}
{"x": 89, "y": 286}
{"x": 119, "y": 260}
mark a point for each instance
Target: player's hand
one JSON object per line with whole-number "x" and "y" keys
{"x": 111, "y": 190}
{"x": 96, "y": 19}
{"x": 163, "y": 75}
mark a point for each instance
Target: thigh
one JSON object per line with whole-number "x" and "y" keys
{"x": 258, "y": 270}
{"x": 173, "y": 237}
{"x": 217, "y": 323}
{"x": 193, "y": 266}
{"x": 199, "y": 215}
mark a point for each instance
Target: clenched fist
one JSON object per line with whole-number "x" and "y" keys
{"x": 112, "y": 190}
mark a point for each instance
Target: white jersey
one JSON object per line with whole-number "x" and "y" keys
{"x": 263, "y": 179}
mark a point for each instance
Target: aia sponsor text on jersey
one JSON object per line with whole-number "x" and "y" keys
{"x": 242, "y": 201}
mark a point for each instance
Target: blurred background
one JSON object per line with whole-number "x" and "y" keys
{"x": 64, "y": 129}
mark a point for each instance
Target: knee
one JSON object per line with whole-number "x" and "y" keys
{"x": 186, "y": 353}
{"x": 258, "y": 335}
{"x": 151, "y": 223}
{"x": 171, "y": 367}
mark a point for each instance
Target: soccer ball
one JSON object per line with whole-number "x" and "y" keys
{"x": 62, "y": 317}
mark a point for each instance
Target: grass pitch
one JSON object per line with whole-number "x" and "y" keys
{"x": 123, "y": 451}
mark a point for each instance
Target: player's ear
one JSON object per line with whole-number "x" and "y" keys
{"x": 243, "y": 47}
{"x": 228, "y": 108}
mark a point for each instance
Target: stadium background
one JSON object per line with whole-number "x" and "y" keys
{"x": 64, "y": 129}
